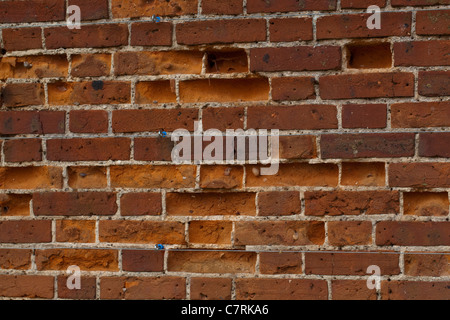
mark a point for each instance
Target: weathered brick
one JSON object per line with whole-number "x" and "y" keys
{"x": 88, "y": 121}
{"x": 291, "y": 233}
{"x": 153, "y": 149}
{"x": 279, "y": 203}
{"x": 152, "y": 288}
{"x": 22, "y": 94}
{"x": 85, "y": 259}
{"x": 32, "y": 122}
{"x": 428, "y": 264}
{"x": 151, "y": 34}
{"x": 335, "y": 203}
{"x": 298, "y": 147}
{"x": 211, "y": 204}
{"x": 33, "y": 67}
{"x": 161, "y": 91}
{"x": 14, "y": 204}
{"x": 74, "y": 203}
{"x": 210, "y": 289}
{"x": 31, "y": 11}
{"x": 25, "y": 231}
{"x": 75, "y": 231}
{"x": 367, "y": 145}
{"x": 419, "y": 175}
{"x": 351, "y": 263}
{"x": 257, "y": 6}
{"x": 153, "y": 176}
{"x": 293, "y": 88}
{"x": 129, "y": 231}
{"x": 30, "y": 178}
{"x": 91, "y": 9}
{"x": 367, "y": 116}
{"x": 137, "y": 9}
{"x": 290, "y": 29}
{"x": 212, "y": 262}
{"x": 22, "y": 38}
{"x": 221, "y": 31}
{"x": 363, "y": 174}
{"x": 434, "y": 145}
{"x": 23, "y": 150}
{"x": 142, "y": 260}
{"x": 281, "y": 289}
{"x": 221, "y": 177}
{"x": 27, "y": 286}
{"x": 412, "y": 233}
{"x": 367, "y": 85}
{"x": 302, "y": 58}
{"x": 89, "y": 149}
{"x": 352, "y": 290}
{"x": 432, "y": 22}
{"x": 86, "y": 292}
{"x": 210, "y": 232}
{"x": 223, "y": 118}
{"x": 415, "y": 290}
{"x": 434, "y": 83}
{"x": 422, "y": 53}
{"x": 361, "y": 4}
{"x": 420, "y": 114}
{"x": 19, "y": 259}
{"x": 91, "y": 65}
{"x": 349, "y": 233}
{"x": 87, "y": 177}
{"x": 222, "y": 7}
{"x": 141, "y": 204}
{"x": 398, "y": 3}
{"x": 426, "y": 203}
{"x": 368, "y": 55}
{"x": 280, "y": 263}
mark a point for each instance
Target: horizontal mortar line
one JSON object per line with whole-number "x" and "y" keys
{"x": 176, "y": 19}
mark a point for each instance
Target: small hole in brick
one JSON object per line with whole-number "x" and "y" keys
{"x": 369, "y": 55}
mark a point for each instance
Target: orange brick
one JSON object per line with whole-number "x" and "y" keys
{"x": 85, "y": 259}
{"x": 210, "y": 232}
{"x": 75, "y": 231}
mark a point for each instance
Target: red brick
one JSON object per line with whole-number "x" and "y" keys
{"x": 422, "y": 53}
{"x": 361, "y": 4}
{"x": 280, "y": 263}
{"x": 153, "y": 149}
{"x": 420, "y": 114}
{"x": 335, "y": 203}
{"x": 301, "y": 117}
{"x": 151, "y": 34}
{"x": 132, "y": 288}
{"x": 148, "y": 232}
{"x": 290, "y": 29}
{"x": 293, "y": 88}
{"x": 281, "y": 289}
{"x": 210, "y": 289}
{"x": 296, "y": 174}
{"x": 224, "y": 90}
{"x": 153, "y": 120}
{"x": 23, "y": 150}
{"x": 14, "y": 204}
{"x": 91, "y": 9}
{"x": 398, "y": 3}
{"x": 86, "y": 292}
{"x": 367, "y": 116}
{"x": 222, "y": 7}
{"x": 138, "y": 9}
{"x": 19, "y": 259}
{"x": 211, "y": 262}
{"x": 91, "y": 65}
{"x": 257, "y": 6}
{"x": 85, "y": 259}
{"x": 298, "y": 147}
{"x": 95, "y": 92}
{"x": 367, "y": 145}
{"x": 434, "y": 145}
{"x": 74, "y": 203}
{"x": 22, "y": 38}
{"x": 426, "y": 203}
{"x": 412, "y": 233}
{"x": 153, "y": 176}
{"x": 349, "y": 233}
{"x": 22, "y": 94}
{"x": 211, "y": 204}
{"x": 223, "y": 118}
{"x": 89, "y": 36}
{"x": 279, "y": 203}
{"x": 352, "y": 290}
{"x": 415, "y": 290}
{"x": 32, "y": 122}
{"x": 31, "y": 178}
{"x": 434, "y": 83}
{"x": 27, "y": 286}
{"x": 351, "y": 263}
{"x": 290, "y": 233}
{"x": 221, "y": 31}
{"x": 143, "y": 260}
{"x": 75, "y": 231}
{"x": 367, "y": 85}
{"x": 140, "y": 204}
{"x": 428, "y": 264}
{"x": 95, "y": 149}
{"x": 432, "y": 22}
{"x": 355, "y": 25}
{"x": 302, "y": 58}
{"x": 31, "y": 11}
{"x": 25, "y": 231}
{"x": 420, "y": 175}
{"x": 88, "y": 121}
{"x": 210, "y": 232}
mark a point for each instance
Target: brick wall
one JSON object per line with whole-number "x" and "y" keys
{"x": 86, "y": 178}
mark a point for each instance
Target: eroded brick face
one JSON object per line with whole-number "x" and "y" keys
{"x": 88, "y": 176}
